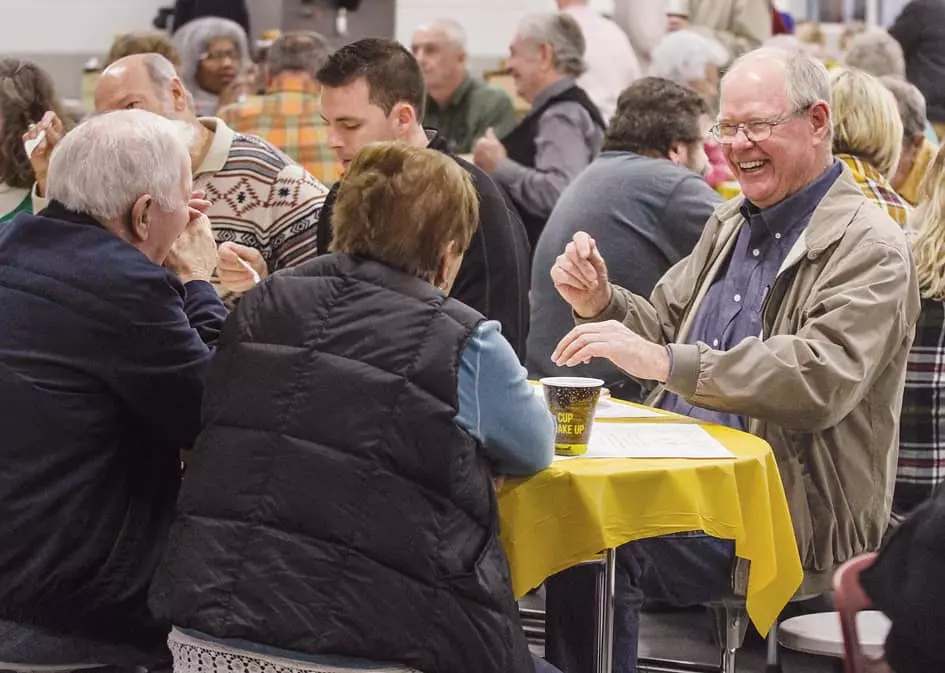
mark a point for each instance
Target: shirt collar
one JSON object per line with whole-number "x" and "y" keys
{"x": 551, "y": 91}
{"x": 219, "y": 148}
{"x": 787, "y": 213}
{"x": 288, "y": 82}
{"x": 436, "y": 141}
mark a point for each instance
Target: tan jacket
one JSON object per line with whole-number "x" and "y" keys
{"x": 740, "y": 25}
{"x": 823, "y": 384}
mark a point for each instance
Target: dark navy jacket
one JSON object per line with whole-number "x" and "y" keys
{"x": 103, "y": 356}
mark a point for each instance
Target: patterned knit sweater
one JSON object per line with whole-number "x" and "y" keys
{"x": 260, "y": 197}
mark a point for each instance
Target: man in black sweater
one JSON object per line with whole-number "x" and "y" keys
{"x": 109, "y": 325}
{"x": 372, "y": 91}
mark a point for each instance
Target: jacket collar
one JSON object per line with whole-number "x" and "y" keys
{"x": 827, "y": 225}
{"x": 56, "y": 211}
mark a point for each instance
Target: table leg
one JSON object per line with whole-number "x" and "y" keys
{"x": 606, "y": 581}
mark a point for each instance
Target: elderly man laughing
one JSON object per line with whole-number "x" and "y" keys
{"x": 791, "y": 319}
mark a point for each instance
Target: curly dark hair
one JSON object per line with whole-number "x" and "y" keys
{"x": 652, "y": 115}
{"x": 26, "y": 93}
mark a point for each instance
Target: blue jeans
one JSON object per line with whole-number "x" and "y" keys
{"x": 681, "y": 570}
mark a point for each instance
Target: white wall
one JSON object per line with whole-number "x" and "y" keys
{"x": 490, "y": 24}
{"x": 70, "y": 26}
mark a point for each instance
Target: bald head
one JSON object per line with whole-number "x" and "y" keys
{"x": 774, "y": 123}
{"x": 143, "y": 82}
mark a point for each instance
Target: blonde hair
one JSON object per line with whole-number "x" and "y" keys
{"x": 928, "y": 220}
{"x": 402, "y": 206}
{"x": 866, "y": 120}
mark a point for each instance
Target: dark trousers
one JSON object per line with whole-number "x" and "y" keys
{"x": 679, "y": 570}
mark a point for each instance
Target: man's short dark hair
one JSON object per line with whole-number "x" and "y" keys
{"x": 652, "y": 115}
{"x": 392, "y": 73}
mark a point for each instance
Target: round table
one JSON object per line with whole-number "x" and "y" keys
{"x": 579, "y": 508}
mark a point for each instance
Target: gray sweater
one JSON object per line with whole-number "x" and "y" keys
{"x": 645, "y": 214}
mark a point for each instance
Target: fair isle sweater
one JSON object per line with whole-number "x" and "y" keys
{"x": 260, "y": 197}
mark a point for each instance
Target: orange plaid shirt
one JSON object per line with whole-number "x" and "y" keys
{"x": 289, "y": 117}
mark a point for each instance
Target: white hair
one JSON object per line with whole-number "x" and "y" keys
{"x": 877, "y": 52}
{"x": 683, "y": 56}
{"x": 106, "y": 163}
{"x": 806, "y": 78}
{"x": 563, "y": 34}
{"x": 453, "y": 30}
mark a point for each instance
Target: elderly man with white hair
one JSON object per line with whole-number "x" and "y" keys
{"x": 110, "y": 324}
{"x": 792, "y": 319}
{"x": 563, "y": 131}
{"x": 262, "y": 203}
{"x": 693, "y": 60}
{"x": 459, "y": 106}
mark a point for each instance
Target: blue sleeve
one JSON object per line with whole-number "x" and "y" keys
{"x": 498, "y": 407}
{"x": 204, "y": 310}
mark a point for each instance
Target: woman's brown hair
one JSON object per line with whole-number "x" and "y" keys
{"x": 26, "y": 93}
{"x": 128, "y": 44}
{"x": 403, "y": 206}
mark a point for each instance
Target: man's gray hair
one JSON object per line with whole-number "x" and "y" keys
{"x": 453, "y": 30}
{"x": 304, "y": 51}
{"x": 911, "y": 102}
{"x": 877, "y": 53}
{"x": 683, "y": 56}
{"x": 106, "y": 163}
{"x": 560, "y": 32}
{"x": 806, "y": 77}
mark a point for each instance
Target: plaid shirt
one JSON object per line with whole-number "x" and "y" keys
{"x": 922, "y": 424}
{"x": 289, "y": 117}
{"x": 877, "y": 188}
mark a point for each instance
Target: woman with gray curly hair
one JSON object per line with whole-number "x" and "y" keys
{"x": 214, "y": 56}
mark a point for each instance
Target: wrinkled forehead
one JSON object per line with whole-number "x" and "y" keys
{"x": 119, "y": 83}
{"x": 754, "y": 89}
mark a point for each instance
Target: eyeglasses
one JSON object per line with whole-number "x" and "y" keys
{"x": 221, "y": 55}
{"x": 756, "y": 131}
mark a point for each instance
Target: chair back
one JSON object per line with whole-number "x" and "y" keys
{"x": 850, "y": 599}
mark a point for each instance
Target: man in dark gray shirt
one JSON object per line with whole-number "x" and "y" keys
{"x": 643, "y": 199}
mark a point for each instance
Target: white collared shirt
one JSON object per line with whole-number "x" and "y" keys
{"x": 611, "y": 62}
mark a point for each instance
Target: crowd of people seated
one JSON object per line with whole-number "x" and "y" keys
{"x": 269, "y": 327}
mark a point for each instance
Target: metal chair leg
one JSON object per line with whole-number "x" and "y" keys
{"x": 731, "y": 622}
{"x": 774, "y": 653}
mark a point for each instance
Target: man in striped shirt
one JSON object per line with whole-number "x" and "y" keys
{"x": 259, "y": 197}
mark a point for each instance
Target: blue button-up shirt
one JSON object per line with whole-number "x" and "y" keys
{"x": 731, "y": 310}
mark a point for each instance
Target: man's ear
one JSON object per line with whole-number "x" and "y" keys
{"x": 178, "y": 95}
{"x": 140, "y": 225}
{"x": 678, "y": 153}
{"x": 405, "y": 118}
{"x": 819, "y": 118}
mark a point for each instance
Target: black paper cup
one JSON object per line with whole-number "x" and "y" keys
{"x": 572, "y": 400}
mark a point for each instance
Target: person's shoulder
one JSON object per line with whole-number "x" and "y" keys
{"x": 234, "y": 113}
{"x": 483, "y": 92}
{"x": 484, "y": 185}
{"x": 867, "y": 224}
{"x": 248, "y": 148}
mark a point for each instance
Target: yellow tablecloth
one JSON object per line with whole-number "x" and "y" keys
{"x": 576, "y": 508}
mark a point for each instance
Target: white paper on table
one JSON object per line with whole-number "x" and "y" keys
{"x": 653, "y": 440}
{"x": 609, "y": 409}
